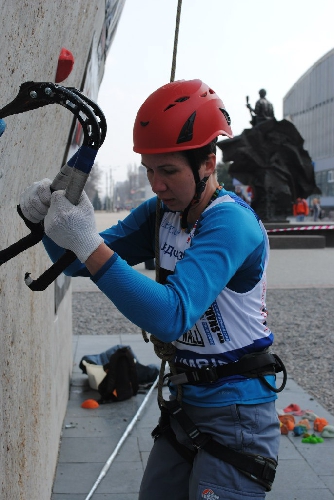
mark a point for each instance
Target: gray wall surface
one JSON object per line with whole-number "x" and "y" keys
{"x": 36, "y": 342}
{"x": 310, "y": 106}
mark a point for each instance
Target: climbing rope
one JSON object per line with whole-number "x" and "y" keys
{"x": 176, "y": 39}
{"x": 165, "y": 351}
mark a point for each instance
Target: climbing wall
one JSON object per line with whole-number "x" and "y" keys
{"x": 36, "y": 327}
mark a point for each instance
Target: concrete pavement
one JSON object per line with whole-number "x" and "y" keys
{"x": 89, "y": 437}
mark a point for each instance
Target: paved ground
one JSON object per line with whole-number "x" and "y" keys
{"x": 89, "y": 437}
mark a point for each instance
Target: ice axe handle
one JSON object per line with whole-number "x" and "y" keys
{"x": 36, "y": 235}
{"x": 80, "y": 172}
{"x": 40, "y": 284}
{"x": 80, "y": 166}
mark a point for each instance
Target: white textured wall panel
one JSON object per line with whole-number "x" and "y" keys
{"x": 35, "y": 343}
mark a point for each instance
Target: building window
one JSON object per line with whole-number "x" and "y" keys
{"x": 330, "y": 176}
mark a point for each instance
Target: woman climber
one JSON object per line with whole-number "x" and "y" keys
{"x": 218, "y": 435}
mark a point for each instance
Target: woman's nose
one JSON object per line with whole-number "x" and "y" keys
{"x": 157, "y": 183}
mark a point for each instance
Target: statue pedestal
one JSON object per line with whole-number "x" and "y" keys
{"x": 303, "y": 235}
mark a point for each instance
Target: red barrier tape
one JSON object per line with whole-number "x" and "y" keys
{"x": 301, "y": 228}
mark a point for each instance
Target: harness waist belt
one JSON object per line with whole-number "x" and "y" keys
{"x": 251, "y": 365}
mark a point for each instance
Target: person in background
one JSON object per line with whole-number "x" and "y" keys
{"x": 300, "y": 209}
{"x": 208, "y": 305}
{"x": 238, "y": 191}
{"x": 316, "y": 209}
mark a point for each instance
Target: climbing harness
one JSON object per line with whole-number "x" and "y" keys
{"x": 72, "y": 176}
{"x": 256, "y": 467}
{"x": 253, "y": 365}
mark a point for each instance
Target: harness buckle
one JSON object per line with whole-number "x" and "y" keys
{"x": 267, "y": 475}
{"x": 209, "y": 373}
{"x": 269, "y": 468}
{"x": 200, "y": 441}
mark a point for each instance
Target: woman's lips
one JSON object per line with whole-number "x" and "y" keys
{"x": 167, "y": 200}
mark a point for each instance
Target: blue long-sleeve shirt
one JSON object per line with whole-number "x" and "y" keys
{"x": 213, "y": 305}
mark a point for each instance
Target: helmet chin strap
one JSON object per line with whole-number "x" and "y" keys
{"x": 200, "y": 186}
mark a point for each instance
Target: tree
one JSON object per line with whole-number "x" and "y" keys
{"x": 97, "y": 204}
{"x": 223, "y": 175}
{"x": 92, "y": 184}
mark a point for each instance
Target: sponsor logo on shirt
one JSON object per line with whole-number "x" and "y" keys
{"x": 208, "y": 494}
{"x": 213, "y": 322}
{"x": 169, "y": 227}
{"x": 192, "y": 337}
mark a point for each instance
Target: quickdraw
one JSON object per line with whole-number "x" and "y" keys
{"x": 72, "y": 176}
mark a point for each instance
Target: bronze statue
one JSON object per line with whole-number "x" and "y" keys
{"x": 270, "y": 157}
{"x": 263, "y": 110}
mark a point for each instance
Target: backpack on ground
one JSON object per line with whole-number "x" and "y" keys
{"x": 121, "y": 380}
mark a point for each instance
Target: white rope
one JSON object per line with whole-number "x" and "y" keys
{"x": 121, "y": 441}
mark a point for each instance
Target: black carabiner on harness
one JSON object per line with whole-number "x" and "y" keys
{"x": 72, "y": 176}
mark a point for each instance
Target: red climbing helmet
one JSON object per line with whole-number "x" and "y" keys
{"x": 185, "y": 114}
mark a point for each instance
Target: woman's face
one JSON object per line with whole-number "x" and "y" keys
{"x": 171, "y": 179}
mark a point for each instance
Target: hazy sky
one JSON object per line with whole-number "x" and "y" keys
{"x": 235, "y": 46}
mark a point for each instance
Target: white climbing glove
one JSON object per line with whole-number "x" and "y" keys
{"x": 35, "y": 200}
{"x": 72, "y": 226}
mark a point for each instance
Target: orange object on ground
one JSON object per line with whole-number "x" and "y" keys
{"x": 305, "y": 423}
{"x": 319, "y": 424}
{"x": 284, "y": 429}
{"x": 288, "y": 421}
{"x": 90, "y": 404}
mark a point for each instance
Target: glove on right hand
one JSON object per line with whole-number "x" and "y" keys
{"x": 35, "y": 200}
{"x": 72, "y": 226}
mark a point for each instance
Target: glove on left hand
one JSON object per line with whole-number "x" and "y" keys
{"x": 35, "y": 200}
{"x": 72, "y": 226}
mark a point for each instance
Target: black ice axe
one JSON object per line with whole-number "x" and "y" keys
{"x": 72, "y": 176}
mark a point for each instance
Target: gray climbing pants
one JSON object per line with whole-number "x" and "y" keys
{"x": 248, "y": 428}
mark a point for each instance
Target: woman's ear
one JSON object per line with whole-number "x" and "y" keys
{"x": 210, "y": 165}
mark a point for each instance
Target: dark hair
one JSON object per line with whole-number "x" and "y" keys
{"x": 196, "y": 157}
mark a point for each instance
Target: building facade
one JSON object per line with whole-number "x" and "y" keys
{"x": 309, "y": 104}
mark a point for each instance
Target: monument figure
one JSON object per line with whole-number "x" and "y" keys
{"x": 270, "y": 157}
{"x": 264, "y": 110}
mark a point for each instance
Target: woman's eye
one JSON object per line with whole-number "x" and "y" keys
{"x": 169, "y": 172}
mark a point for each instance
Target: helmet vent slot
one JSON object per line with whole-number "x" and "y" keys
{"x": 186, "y": 133}
{"x": 169, "y": 106}
{"x": 182, "y": 99}
{"x": 143, "y": 124}
{"x": 204, "y": 94}
{"x": 227, "y": 116}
